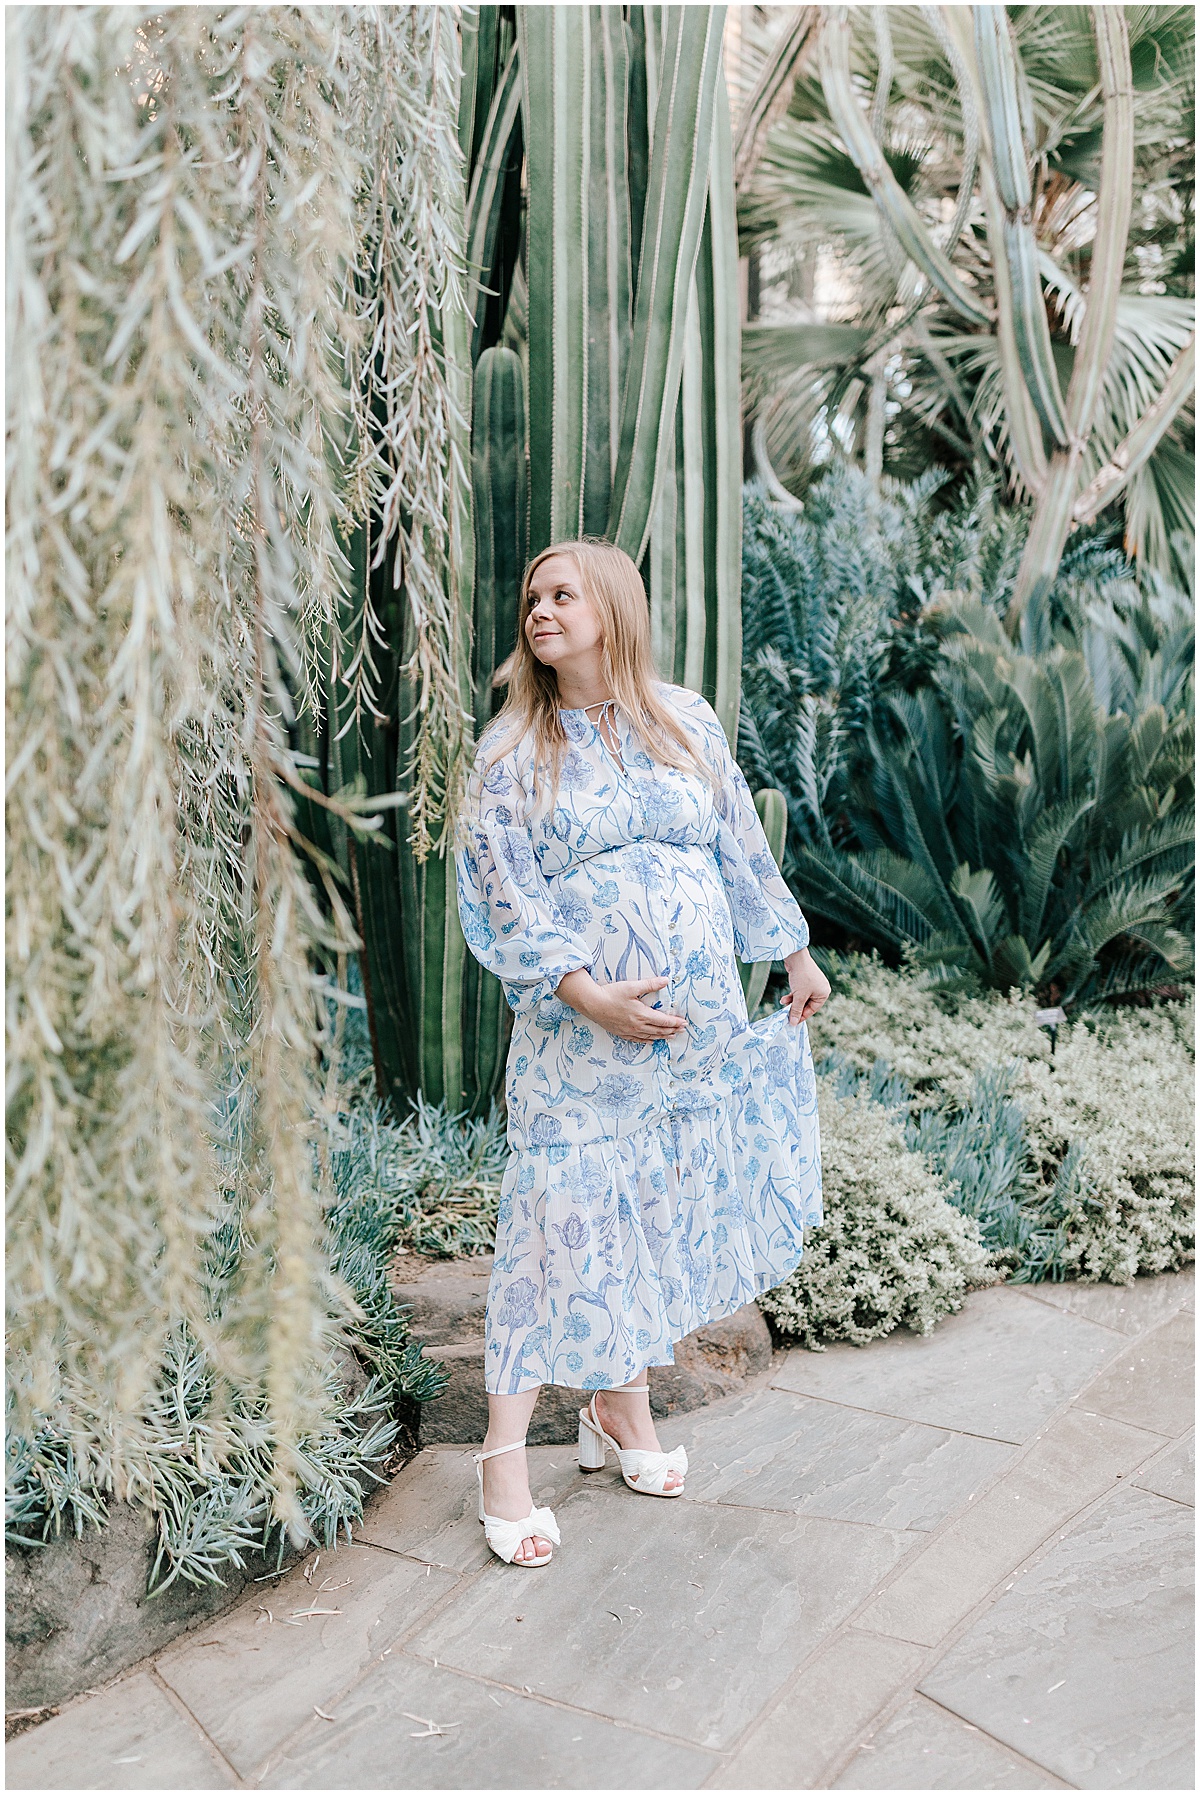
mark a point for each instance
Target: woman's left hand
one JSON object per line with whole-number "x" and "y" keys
{"x": 809, "y": 987}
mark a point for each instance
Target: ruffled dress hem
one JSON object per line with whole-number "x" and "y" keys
{"x": 611, "y": 1251}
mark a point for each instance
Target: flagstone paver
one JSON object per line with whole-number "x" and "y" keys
{"x": 1087, "y": 1664}
{"x": 831, "y": 1702}
{"x": 132, "y": 1737}
{"x": 1172, "y": 1473}
{"x": 1000, "y": 1367}
{"x": 491, "y": 1737}
{"x": 775, "y": 1450}
{"x": 1127, "y": 1308}
{"x": 1153, "y": 1384}
{"x": 951, "y": 1562}
{"x": 257, "y": 1674}
{"x": 1070, "y": 1464}
{"x": 924, "y": 1747}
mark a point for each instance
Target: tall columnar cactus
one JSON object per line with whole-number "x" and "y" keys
{"x": 620, "y": 298}
{"x": 696, "y": 539}
{"x": 499, "y": 480}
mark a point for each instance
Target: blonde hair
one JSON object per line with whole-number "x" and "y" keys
{"x": 611, "y": 583}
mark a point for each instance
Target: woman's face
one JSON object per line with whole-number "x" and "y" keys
{"x": 561, "y": 626}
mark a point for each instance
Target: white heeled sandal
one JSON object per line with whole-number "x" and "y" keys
{"x": 504, "y": 1537}
{"x": 645, "y": 1472}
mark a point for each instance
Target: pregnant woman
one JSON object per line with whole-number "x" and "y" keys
{"x": 665, "y": 1161}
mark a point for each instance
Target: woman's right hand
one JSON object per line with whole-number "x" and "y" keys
{"x": 617, "y": 1006}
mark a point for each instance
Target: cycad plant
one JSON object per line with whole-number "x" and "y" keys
{"x": 983, "y": 219}
{"x": 1007, "y": 815}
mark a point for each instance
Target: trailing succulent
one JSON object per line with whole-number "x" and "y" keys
{"x": 1015, "y": 813}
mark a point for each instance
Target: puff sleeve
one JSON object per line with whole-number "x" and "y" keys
{"x": 768, "y": 923}
{"x": 507, "y": 913}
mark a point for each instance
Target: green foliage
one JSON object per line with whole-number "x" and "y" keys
{"x": 205, "y": 1472}
{"x": 430, "y": 1184}
{"x": 1020, "y": 816}
{"x": 1076, "y": 1158}
{"x": 879, "y": 210}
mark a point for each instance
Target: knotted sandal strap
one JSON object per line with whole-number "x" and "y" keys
{"x": 504, "y": 1537}
{"x": 651, "y": 1468}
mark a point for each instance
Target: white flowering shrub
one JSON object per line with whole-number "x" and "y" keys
{"x": 938, "y": 1045}
{"x": 1121, "y": 1095}
{"x": 892, "y": 1250}
{"x": 1071, "y": 1162}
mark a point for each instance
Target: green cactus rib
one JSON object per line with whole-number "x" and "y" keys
{"x": 685, "y": 75}
{"x": 579, "y": 270}
{"x": 720, "y": 326}
{"x": 500, "y": 141}
{"x": 478, "y": 27}
{"x": 996, "y": 61}
{"x": 498, "y": 481}
{"x": 499, "y": 488}
{"x": 695, "y": 537}
{"x": 868, "y": 158}
{"x": 771, "y": 806}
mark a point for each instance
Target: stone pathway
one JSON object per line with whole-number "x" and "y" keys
{"x": 959, "y": 1562}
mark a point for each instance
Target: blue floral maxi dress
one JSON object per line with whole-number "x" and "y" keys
{"x": 654, "y": 1186}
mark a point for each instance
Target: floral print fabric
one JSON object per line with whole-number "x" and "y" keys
{"x": 654, "y": 1186}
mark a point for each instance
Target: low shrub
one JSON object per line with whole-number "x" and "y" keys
{"x": 1075, "y": 1157}
{"x": 429, "y": 1184}
{"x": 1117, "y": 1100}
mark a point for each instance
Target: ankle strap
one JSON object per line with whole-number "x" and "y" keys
{"x": 497, "y": 1450}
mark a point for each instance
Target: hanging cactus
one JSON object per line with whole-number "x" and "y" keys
{"x": 404, "y": 896}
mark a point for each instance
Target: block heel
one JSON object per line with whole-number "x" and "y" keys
{"x": 592, "y": 1450}
{"x": 644, "y": 1472}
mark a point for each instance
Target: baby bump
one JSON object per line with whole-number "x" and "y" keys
{"x": 655, "y": 910}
